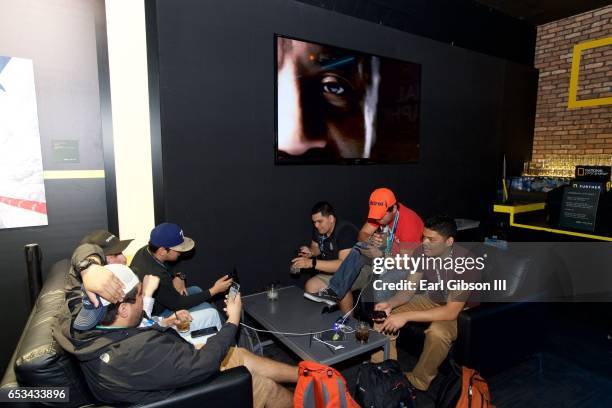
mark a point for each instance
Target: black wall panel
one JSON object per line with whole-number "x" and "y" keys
{"x": 464, "y": 23}
{"x": 215, "y": 81}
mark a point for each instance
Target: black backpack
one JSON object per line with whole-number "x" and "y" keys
{"x": 450, "y": 388}
{"x": 383, "y": 385}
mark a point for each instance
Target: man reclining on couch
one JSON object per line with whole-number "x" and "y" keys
{"x": 113, "y": 249}
{"x": 116, "y": 348}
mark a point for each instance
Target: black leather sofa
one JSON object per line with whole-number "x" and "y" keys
{"x": 38, "y": 361}
{"x": 498, "y": 334}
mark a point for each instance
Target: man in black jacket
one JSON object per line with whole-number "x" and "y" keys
{"x": 116, "y": 349}
{"x": 166, "y": 244}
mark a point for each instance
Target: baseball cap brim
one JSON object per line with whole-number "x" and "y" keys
{"x": 89, "y": 315}
{"x": 185, "y": 246}
{"x": 118, "y": 247}
{"x": 377, "y": 212}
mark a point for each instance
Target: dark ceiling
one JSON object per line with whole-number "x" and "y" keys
{"x": 543, "y": 11}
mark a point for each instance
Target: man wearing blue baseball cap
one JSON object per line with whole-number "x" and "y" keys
{"x": 166, "y": 244}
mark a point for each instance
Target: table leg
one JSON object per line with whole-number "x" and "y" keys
{"x": 386, "y": 350}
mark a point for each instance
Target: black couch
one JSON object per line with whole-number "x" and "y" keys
{"x": 498, "y": 334}
{"x": 38, "y": 361}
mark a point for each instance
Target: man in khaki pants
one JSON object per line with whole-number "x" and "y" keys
{"x": 437, "y": 304}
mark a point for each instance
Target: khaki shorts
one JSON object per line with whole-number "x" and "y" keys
{"x": 360, "y": 282}
{"x": 263, "y": 387}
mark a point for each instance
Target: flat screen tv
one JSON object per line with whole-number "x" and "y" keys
{"x": 335, "y": 105}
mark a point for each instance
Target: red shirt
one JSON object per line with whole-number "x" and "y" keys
{"x": 409, "y": 227}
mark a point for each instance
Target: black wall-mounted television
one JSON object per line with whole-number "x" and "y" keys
{"x": 339, "y": 106}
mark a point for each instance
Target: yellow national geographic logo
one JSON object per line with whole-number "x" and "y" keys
{"x": 572, "y": 100}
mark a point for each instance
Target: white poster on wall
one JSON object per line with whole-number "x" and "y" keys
{"x": 22, "y": 188}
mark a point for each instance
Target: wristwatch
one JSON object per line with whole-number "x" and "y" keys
{"x": 180, "y": 275}
{"x": 86, "y": 263}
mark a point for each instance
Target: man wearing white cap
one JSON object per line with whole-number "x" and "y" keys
{"x": 110, "y": 353}
{"x": 89, "y": 316}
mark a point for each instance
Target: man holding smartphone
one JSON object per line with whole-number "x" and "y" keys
{"x": 166, "y": 244}
{"x": 439, "y": 307}
{"x": 332, "y": 240}
{"x": 389, "y": 221}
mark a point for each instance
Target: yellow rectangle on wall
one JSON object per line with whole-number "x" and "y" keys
{"x": 572, "y": 101}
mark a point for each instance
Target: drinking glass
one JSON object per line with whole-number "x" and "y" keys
{"x": 272, "y": 292}
{"x": 362, "y": 332}
{"x": 182, "y": 325}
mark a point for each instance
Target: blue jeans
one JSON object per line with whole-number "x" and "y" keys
{"x": 204, "y": 315}
{"x": 342, "y": 280}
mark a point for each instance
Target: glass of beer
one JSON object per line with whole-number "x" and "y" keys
{"x": 362, "y": 332}
{"x": 182, "y": 325}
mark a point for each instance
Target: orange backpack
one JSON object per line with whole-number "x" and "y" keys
{"x": 320, "y": 386}
{"x": 474, "y": 390}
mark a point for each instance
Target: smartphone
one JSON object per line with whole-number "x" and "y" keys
{"x": 378, "y": 315}
{"x": 234, "y": 275}
{"x": 234, "y": 290}
{"x": 203, "y": 332}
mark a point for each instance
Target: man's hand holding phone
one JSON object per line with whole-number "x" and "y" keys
{"x": 221, "y": 285}
{"x": 384, "y": 308}
{"x": 305, "y": 252}
{"x": 376, "y": 240}
{"x": 233, "y": 307}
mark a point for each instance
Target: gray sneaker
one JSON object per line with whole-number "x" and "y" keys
{"x": 323, "y": 296}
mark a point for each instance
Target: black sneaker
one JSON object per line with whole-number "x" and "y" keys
{"x": 324, "y": 295}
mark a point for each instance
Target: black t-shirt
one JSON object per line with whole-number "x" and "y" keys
{"x": 166, "y": 296}
{"x": 344, "y": 236}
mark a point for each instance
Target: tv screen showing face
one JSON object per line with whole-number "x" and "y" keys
{"x": 335, "y": 105}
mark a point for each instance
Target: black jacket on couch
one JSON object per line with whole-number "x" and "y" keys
{"x": 39, "y": 361}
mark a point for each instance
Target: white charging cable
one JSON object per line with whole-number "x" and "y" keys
{"x": 285, "y": 333}
{"x": 347, "y": 314}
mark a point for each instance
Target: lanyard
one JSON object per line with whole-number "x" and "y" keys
{"x": 391, "y": 235}
{"x": 445, "y": 291}
{"x": 321, "y": 242}
{"x": 162, "y": 264}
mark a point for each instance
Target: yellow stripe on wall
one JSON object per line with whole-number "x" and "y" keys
{"x": 72, "y": 174}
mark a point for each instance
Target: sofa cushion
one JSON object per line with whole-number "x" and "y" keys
{"x": 39, "y": 359}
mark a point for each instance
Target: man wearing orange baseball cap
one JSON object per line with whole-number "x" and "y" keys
{"x": 390, "y": 224}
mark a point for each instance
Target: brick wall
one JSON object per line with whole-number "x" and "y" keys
{"x": 578, "y": 131}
